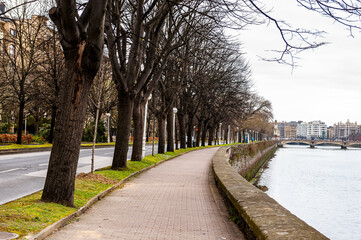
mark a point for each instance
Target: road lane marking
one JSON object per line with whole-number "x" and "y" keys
{"x": 11, "y": 170}
{"x": 43, "y": 164}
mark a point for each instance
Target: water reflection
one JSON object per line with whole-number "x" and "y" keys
{"x": 322, "y": 186}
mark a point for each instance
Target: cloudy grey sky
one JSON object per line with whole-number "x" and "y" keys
{"x": 325, "y": 86}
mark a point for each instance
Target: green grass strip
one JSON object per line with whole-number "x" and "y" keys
{"x": 28, "y": 215}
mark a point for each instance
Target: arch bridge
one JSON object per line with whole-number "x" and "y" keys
{"x": 314, "y": 143}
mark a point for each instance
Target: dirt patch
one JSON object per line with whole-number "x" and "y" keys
{"x": 96, "y": 178}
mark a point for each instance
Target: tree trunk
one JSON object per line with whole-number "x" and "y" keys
{"x": 60, "y": 179}
{"x": 161, "y": 134}
{"x": 189, "y": 131}
{"x": 200, "y": 126}
{"x": 125, "y": 111}
{"x": 204, "y": 133}
{"x": 170, "y": 142}
{"x": 182, "y": 131}
{"x": 52, "y": 124}
{"x": 20, "y": 123}
{"x": 83, "y": 55}
{"x": 211, "y": 135}
{"x": 148, "y": 128}
{"x": 138, "y": 122}
{"x": 36, "y": 124}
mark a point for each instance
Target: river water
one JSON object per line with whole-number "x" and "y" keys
{"x": 322, "y": 186}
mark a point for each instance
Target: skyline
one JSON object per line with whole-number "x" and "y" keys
{"x": 325, "y": 84}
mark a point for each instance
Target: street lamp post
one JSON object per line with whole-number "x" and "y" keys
{"x": 26, "y": 121}
{"x": 145, "y": 126}
{"x": 175, "y": 110}
{"x": 108, "y": 121}
{"x": 220, "y": 134}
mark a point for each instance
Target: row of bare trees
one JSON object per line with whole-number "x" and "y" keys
{"x": 176, "y": 50}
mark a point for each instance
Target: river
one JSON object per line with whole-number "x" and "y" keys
{"x": 322, "y": 186}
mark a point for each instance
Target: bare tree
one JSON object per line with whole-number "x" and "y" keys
{"x": 347, "y": 13}
{"x": 104, "y": 89}
{"x": 139, "y": 44}
{"x": 81, "y": 31}
{"x": 21, "y": 58}
{"x": 50, "y": 74}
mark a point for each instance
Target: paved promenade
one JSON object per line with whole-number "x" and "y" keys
{"x": 175, "y": 200}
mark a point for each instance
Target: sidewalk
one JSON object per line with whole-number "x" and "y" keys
{"x": 175, "y": 200}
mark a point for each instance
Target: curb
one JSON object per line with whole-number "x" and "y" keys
{"x": 42, "y": 149}
{"x": 66, "y": 220}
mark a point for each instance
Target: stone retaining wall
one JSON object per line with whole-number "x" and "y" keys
{"x": 260, "y": 216}
{"x": 247, "y": 159}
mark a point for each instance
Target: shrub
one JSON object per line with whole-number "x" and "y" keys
{"x": 44, "y": 131}
{"x": 26, "y": 138}
{"x": 39, "y": 139}
{"x": 88, "y": 132}
{"x": 7, "y": 138}
{"x": 4, "y": 127}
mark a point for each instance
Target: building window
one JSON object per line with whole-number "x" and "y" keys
{"x": 12, "y": 50}
{"x": 12, "y": 32}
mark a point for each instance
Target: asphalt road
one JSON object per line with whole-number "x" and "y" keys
{"x": 23, "y": 174}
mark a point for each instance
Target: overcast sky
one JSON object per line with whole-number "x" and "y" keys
{"x": 325, "y": 86}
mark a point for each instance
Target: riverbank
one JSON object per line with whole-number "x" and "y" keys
{"x": 258, "y": 215}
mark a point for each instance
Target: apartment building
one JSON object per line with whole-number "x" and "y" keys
{"x": 301, "y": 129}
{"x": 344, "y": 130}
{"x": 290, "y": 129}
{"x": 331, "y": 132}
{"x": 281, "y": 129}
{"x": 316, "y": 129}
{"x": 276, "y": 131}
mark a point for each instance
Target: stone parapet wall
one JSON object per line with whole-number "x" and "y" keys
{"x": 260, "y": 216}
{"x": 247, "y": 159}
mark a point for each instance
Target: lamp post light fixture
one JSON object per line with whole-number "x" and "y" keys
{"x": 108, "y": 121}
{"x": 175, "y": 110}
{"x": 145, "y": 126}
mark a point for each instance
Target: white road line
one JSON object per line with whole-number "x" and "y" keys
{"x": 43, "y": 164}
{"x": 11, "y": 170}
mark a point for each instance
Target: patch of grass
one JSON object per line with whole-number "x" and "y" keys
{"x": 97, "y": 144}
{"x": 20, "y": 146}
{"x": 28, "y": 215}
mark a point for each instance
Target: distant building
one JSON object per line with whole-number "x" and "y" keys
{"x": 316, "y": 129}
{"x": 276, "y": 131}
{"x": 281, "y": 129}
{"x": 290, "y": 129}
{"x": 331, "y": 132}
{"x": 344, "y": 130}
{"x": 301, "y": 129}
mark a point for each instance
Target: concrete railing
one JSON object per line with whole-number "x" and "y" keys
{"x": 260, "y": 216}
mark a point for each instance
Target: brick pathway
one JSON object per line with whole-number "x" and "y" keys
{"x": 174, "y": 200}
